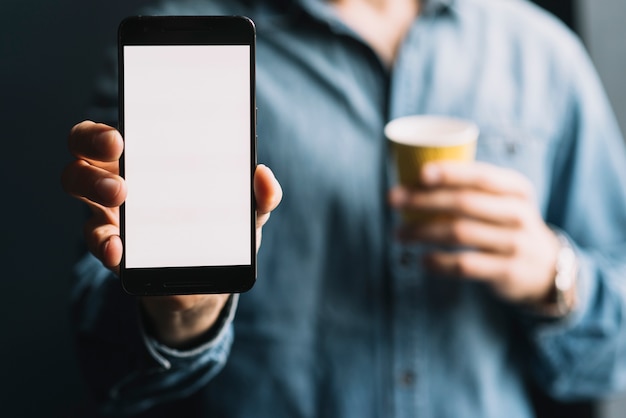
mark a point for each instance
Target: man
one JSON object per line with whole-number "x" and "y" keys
{"x": 354, "y": 314}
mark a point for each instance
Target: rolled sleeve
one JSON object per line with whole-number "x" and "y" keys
{"x": 128, "y": 371}
{"x": 213, "y": 346}
{"x": 583, "y": 354}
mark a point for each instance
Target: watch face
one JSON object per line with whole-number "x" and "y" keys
{"x": 565, "y": 279}
{"x": 565, "y": 269}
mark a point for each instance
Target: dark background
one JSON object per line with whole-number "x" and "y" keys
{"x": 50, "y": 52}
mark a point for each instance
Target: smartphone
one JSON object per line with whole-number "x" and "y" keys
{"x": 188, "y": 119}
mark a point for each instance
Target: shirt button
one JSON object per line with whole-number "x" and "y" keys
{"x": 408, "y": 378}
{"x": 405, "y": 258}
{"x": 511, "y": 148}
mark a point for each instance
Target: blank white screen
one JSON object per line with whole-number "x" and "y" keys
{"x": 187, "y": 155}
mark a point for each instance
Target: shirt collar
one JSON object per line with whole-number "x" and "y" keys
{"x": 322, "y": 10}
{"x": 437, "y": 6}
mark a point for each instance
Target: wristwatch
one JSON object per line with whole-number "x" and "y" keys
{"x": 563, "y": 298}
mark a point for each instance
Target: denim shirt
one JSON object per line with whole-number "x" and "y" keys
{"x": 344, "y": 321}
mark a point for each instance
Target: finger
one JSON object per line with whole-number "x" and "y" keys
{"x": 469, "y": 264}
{"x": 84, "y": 180}
{"x": 112, "y": 253}
{"x": 462, "y": 232}
{"x": 104, "y": 242}
{"x": 504, "y": 275}
{"x": 267, "y": 192}
{"x": 486, "y": 207}
{"x": 477, "y": 175}
{"x": 98, "y": 143}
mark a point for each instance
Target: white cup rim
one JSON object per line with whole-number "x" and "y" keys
{"x": 431, "y": 130}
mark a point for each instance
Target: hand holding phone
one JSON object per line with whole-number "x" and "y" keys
{"x": 93, "y": 177}
{"x": 97, "y": 148}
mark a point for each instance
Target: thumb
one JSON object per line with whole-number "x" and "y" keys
{"x": 267, "y": 190}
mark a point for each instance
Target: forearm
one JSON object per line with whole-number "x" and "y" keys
{"x": 582, "y": 355}
{"x": 127, "y": 370}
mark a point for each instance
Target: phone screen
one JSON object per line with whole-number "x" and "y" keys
{"x": 187, "y": 128}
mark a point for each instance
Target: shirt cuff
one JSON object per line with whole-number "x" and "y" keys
{"x": 214, "y": 340}
{"x": 549, "y": 326}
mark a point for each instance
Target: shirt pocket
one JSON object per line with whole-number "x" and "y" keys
{"x": 525, "y": 150}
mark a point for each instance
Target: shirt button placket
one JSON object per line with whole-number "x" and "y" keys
{"x": 406, "y": 325}
{"x": 408, "y": 378}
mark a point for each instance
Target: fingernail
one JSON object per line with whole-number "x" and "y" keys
{"x": 107, "y": 187}
{"x": 431, "y": 174}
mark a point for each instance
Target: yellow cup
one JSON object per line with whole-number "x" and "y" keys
{"x": 416, "y": 140}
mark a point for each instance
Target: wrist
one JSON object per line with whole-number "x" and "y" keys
{"x": 181, "y": 328}
{"x": 561, "y": 299}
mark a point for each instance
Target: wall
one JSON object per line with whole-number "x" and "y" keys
{"x": 49, "y": 53}
{"x": 604, "y": 32}
{"x": 603, "y": 29}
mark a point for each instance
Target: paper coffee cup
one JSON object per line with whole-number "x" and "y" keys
{"x": 416, "y": 140}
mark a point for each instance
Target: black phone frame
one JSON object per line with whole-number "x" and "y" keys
{"x": 189, "y": 30}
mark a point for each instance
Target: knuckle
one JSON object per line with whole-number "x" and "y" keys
{"x": 78, "y": 130}
{"x": 75, "y": 129}
{"x": 510, "y": 274}
{"x": 415, "y": 199}
{"x": 77, "y": 126}
{"x": 459, "y": 232}
{"x": 523, "y": 217}
{"x": 526, "y": 187}
{"x": 516, "y": 243}
{"x": 465, "y": 265}
{"x": 464, "y": 202}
